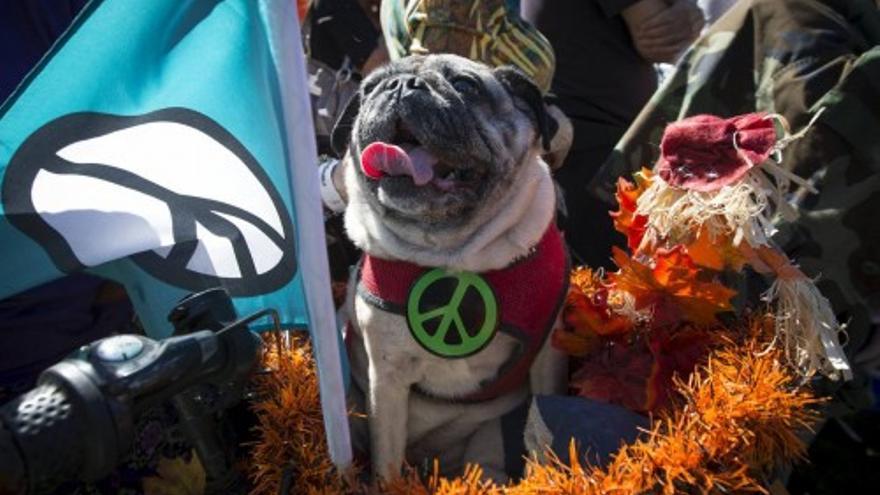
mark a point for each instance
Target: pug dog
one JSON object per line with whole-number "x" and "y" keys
{"x": 463, "y": 273}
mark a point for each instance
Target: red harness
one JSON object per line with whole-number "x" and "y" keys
{"x": 530, "y": 293}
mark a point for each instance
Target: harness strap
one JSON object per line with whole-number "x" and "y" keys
{"x": 530, "y": 293}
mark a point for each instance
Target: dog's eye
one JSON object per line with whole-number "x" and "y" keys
{"x": 464, "y": 85}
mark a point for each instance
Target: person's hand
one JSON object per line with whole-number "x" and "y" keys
{"x": 663, "y": 37}
{"x": 662, "y": 31}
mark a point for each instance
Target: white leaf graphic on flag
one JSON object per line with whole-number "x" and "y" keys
{"x": 172, "y": 187}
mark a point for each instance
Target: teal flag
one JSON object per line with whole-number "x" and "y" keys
{"x": 168, "y": 145}
{"x": 151, "y": 146}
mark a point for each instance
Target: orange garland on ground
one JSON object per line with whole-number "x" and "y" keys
{"x": 737, "y": 423}
{"x": 292, "y": 446}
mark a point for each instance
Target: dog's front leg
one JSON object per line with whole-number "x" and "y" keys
{"x": 389, "y": 397}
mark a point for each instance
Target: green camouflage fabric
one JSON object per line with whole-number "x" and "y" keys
{"x": 795, "y": 57}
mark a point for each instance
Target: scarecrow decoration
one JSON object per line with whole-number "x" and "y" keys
{"x": 717, "y": 190}
{"x": 726, "y": 385}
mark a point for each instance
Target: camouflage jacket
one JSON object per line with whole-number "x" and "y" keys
{"x": 795, "y": 57}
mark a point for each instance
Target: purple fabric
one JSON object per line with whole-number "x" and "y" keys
{"x": 41, "y": 326}
{"x": 28, "y": 28}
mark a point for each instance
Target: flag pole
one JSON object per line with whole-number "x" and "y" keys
{"x": 313, "y": 265}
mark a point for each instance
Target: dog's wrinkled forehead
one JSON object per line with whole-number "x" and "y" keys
{"x": 436, "y": 67}
{"x": 455, "y": 96}
{"x": 443, "y": 63}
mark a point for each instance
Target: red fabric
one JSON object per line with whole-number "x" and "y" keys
{"x": 698, "y": 153}
{"x": 529, "y": 294}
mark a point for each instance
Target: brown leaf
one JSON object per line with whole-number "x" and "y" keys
{"x": 176, "y": 477}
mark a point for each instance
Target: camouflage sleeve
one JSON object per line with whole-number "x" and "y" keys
{"x": 837, "y": 238}
{"x": 853, "y": 107}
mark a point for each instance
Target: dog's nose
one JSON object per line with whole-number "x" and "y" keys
{"x": 406, "y": 84}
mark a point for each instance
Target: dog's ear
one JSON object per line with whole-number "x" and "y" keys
{"x": 342, "y": 129}
{"x": 520, "y": 86}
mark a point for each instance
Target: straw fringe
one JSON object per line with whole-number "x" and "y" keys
{"x": 741, "y": 211}
{"x": 806, "y": 328}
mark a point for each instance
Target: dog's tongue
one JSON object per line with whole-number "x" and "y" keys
{"x": 379, "y": 159}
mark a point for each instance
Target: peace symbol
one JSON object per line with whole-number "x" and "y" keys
{"x": 452, "y": 315}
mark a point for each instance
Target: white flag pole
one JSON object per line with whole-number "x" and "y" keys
{"x": 281, "y": 18}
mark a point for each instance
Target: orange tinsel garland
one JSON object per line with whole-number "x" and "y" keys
{"x": 292, "y": 447}
{"x": 737, "y": 424}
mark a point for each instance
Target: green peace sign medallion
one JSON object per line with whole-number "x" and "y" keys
{"x": 452, "y": 315}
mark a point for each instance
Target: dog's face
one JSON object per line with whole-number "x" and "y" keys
{"x": 436, "y": 139}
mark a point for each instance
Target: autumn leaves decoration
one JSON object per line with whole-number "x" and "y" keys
{"x": 706, "y": 211}
{"x": 703, "y": 216}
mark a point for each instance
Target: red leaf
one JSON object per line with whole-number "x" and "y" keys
{"x": 675, "y": 353}
{"x": 616, "y": 375}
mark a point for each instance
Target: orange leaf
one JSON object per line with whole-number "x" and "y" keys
{"x": 717, "y": 254}
{"x": 585, "y": 280}
{"x": 673, "y": 289}
{"x": 575, "y": 344}
{"x": 587, "y": 316}
{"x": 625, "y": 219}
